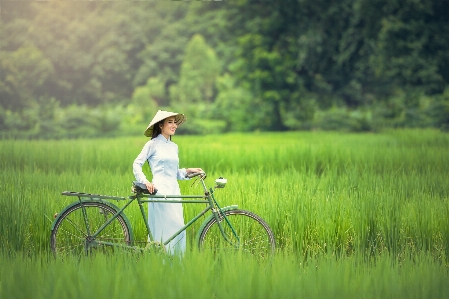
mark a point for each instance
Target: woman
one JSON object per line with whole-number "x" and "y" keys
{"x": 164, "y": 219}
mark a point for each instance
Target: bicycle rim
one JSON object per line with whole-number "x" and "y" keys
{"x": 71, "y": 236}
{"x": 249, "y": 234}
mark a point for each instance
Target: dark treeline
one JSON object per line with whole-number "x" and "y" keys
{"x": 73, "y": 69}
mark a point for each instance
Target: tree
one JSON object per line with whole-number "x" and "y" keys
{"x": 234, "y": 105}
{"x": 145, "y": 98}
{"x": 410, "y": 43}
{"x": 23, "y": 75}
{"x": 198, "y": 72}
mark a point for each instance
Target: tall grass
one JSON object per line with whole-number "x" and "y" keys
{"x": 353, "y": 213}
{"x": 201, "y": 276}
{"x": 321, "y": 192}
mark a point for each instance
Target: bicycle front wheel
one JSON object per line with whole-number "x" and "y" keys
{"x": 73, "y": 232}
{"x": 245, "y": 232}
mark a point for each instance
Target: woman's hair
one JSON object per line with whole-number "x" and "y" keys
{"x": 157, "y": 129}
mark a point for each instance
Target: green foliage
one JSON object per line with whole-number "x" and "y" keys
{"x": 299, "y": 113}
{"x": 261, "y": 69}
{"x": 2, "y": 119}
{"x": 234, "y": 105}
{"x": 203, "y": 126}
{"x": 145, "y": 98}
{"x": 24, "y": 72}
{"x": 162, "y": 56}
{"x": 198, "y": 72}
{"x": 438, "y": 111}
{"x": 342, "y": 119}
{"x": 82, "y": 121}
{"x": 285, "y": 64}
{"x": 407, "y": 50}
{"x": 193, "y": 94}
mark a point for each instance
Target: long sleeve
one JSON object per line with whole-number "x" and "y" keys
{"x": 182, "y": 174}
{"x": 146, "y": 152}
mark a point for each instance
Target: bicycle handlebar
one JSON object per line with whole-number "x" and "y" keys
{"x": 194, "y": 174}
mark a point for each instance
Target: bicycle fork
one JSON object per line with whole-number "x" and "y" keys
{"x": 219, "y": 216}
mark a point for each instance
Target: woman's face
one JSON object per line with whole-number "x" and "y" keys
{"x": 169, "y": 126}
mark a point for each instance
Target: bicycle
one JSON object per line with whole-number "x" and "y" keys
{"x": 94, "y": 224}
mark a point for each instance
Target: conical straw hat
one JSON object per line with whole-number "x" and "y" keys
{"x": 160, "y": 115}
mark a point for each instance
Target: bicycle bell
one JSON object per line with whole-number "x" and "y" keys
{"x": 220, "y": 182}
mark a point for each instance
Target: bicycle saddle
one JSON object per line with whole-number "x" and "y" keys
{"x": 141, "y": 188}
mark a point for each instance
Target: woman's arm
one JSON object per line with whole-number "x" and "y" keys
{"x": 182, "y": 172}
{"x": 146, "y": 152}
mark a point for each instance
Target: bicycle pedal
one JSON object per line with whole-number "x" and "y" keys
{"x": 155, "y": 246}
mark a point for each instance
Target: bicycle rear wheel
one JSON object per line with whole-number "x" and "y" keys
{"x": 249, "y": 234}
{"x": 73, "y": 232}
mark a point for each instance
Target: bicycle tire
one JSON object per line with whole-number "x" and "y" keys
{"x": 70, "y": 234}
{"x": 254, "y": 235}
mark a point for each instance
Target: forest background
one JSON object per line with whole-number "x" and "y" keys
{"x": 85, "y": 69}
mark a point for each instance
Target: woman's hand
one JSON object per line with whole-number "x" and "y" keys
{"x": 150, "y": 187}
{"x": 192, "y": 170}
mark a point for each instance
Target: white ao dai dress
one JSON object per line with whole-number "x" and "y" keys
{"x": 164, "y": 219}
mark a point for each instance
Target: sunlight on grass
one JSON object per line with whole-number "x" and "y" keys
{"x": 354, "y": 215}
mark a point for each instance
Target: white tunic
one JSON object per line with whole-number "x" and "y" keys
{"x": 164, "y": 219}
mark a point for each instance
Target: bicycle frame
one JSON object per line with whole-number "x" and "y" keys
{"x": 207, "y": 199}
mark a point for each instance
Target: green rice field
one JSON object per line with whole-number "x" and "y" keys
{"x": 354, "y": 215}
